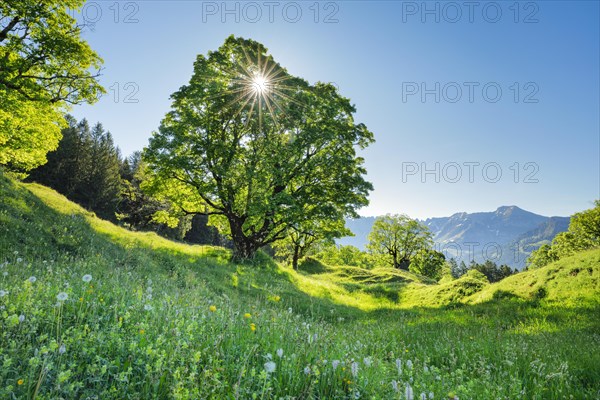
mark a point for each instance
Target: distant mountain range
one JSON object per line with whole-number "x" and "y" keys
{"x": 505, "y": 236}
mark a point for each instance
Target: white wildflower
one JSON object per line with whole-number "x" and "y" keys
{"x": 399, "y": 365}
{"x": 354, "y": 369}
{"x": 409, "y": 392}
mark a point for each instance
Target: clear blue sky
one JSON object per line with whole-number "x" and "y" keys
{"x": 392, "y": 59}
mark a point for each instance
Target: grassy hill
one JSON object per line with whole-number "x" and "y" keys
{"x": 160, "y": 319}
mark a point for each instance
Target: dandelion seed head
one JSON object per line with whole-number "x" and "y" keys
{"x": 334, "y": 364}
{"x": 307, "y": 370}
{"x": 270, "y": 367}
{"x": 87, "y": 278}
{"x": 62, "y": 349}
{"x": 147, "y": 307}
{"x": 279, "y": 353}
{"x": 21, "y": 318}
{"x": 62, "y": 296}
{"x": 3, "y": 293}
{"x": 32, "y": 279}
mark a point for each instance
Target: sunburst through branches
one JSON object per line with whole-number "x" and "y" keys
{"x": 258, "y": 86}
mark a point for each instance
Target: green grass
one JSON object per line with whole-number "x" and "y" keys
{"x": 144, "y": 327}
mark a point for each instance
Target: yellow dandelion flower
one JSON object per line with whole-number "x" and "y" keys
{"x": 247, "y": 315}
{"x": 252, "y": 327}
{"x": 276, "y": 298}
{"x": 81, "y": 299}
{"x": 20, "y": 382}
{"x": 212, "y": 308}
{"x": 142, "y": 331}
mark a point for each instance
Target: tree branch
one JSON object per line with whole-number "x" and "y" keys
{"x": 8, "y": 28}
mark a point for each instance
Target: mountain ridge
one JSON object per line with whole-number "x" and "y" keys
{"x": 506, "y": 235}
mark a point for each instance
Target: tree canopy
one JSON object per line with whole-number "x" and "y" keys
{"x": 44, "y": 67}
{"x": 583, "y": 234}
{"x": 397, "y": 239}
{"x": 257, "y": 149}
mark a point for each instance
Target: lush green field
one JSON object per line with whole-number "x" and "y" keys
{"x": 160, "y": 319}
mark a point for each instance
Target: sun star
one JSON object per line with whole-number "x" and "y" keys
{"x": 260, "y": 85}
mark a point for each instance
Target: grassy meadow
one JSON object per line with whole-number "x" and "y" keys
{"x": 89, "y": 310}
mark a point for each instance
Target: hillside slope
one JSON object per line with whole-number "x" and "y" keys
{"x": 572, "y": 280}
{"x": 90, "y": 310}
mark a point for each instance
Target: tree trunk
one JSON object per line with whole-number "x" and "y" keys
{"x": 244, "y": 247}
{"x": 404, "y": 263}
{"x": 296, "y": 257}
{"x": 395, "y": 258}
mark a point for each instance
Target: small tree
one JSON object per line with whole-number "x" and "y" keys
{"x": 301, "y": 238}
{"x": 583, "y": 233}
{"x": 541, "y": 257}
{"x": 397, "y": 239}
{"x": 428, "y": 263}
